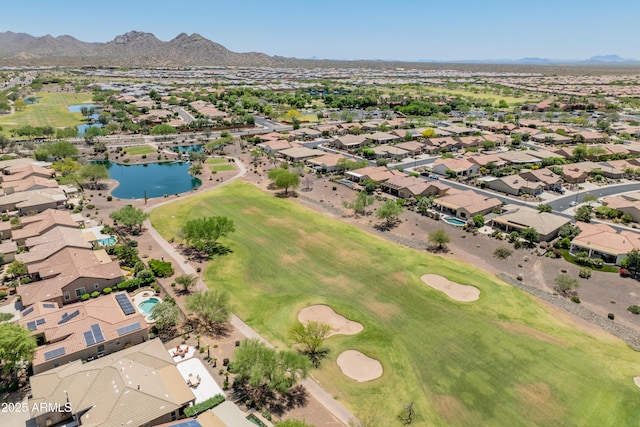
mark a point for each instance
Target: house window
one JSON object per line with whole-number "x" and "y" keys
{"x": 96, "y": 285}
{"x": 67, "y": 296}
{"x": 80, "y": 292}
{"x": 101, "y": 348}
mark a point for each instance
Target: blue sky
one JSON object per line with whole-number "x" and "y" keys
{"x": 354, "y": 29}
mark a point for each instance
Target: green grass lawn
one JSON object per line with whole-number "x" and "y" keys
{"x": 607, "y": 268}
{"x": 139, "y": 150}
{"x": 216, "y": 160}
{"x": 221, "y": 168}
{"x": 511, "y": 100}
{"x": 502, "y": 360}
{"x": 50, "y": 110}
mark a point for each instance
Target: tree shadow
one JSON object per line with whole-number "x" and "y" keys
{"x": 388, "y": 225}
{"x": 263, "y": 397}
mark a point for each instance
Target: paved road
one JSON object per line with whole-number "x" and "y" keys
{"x": 562, "y": 203}
{"x": 333, "y": 406}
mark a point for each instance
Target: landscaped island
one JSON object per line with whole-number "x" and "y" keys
{"x": 503, "y": 360}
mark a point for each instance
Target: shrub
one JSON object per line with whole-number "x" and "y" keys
{"x": 3, "y": 294}
{"x": 634, "y": 309}
{"x": 624, "y": 272}
{"x": 585, "y": 273}
{"x": 95, "y": 294}
{"x": 126, "y": 160}
{"x": 517, "y": 244}
{"x": 611, "y": 316}
{"x": 519, "y": 278}
{"x": 85, "y": 297}
{"x": 225, "y": 361}
{"x": 597, "y": 263}
{"x": 161, "y": 268}
{"x": 109, "y": 198}
{"x": 198, "y": 408}
{"x": 334, "y": 188}
{"x": 575, "y": 299}
{"x": 502, "y": 252}
{"x": 107, "y": 291}
{"x": 91, "y": 206}
{"x": 556, "y": 253}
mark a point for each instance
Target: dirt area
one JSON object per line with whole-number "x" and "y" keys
{"x": 359, "y": 366}
{"x": 325, "y": 314}
{"x": 453, "y": 290}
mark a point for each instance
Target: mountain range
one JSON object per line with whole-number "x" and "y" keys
{"x": 131, "y": 49}
{"x": 140, "y": 49}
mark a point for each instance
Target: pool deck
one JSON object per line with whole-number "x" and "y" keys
{"x": 192, "y": 366}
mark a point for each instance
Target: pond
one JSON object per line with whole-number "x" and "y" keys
{"x": 156, "y": 179}
{"x": 77, "y": 108}
{"x": 196, "y": 148}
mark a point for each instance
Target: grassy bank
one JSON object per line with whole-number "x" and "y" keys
{"x": 503, "y": 360}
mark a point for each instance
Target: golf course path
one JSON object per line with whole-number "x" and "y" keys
{"x": 338, "y": 411}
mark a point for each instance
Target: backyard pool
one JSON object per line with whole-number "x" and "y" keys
{"x": 454, "y": 221}
{"x": 107, "y": 242}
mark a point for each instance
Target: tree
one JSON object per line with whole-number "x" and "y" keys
{"x": 66, "y": 166}
{"x": 478, "y": 221}
{"x": 311, "y": 336}
{"x": 262, "y": 367}
{"x": 633, "y": 261}
{"x": 565, "y": 285}
{"x": 129, "y": 216}
{"x": 429, "y": 133}
{"x": 579, "y": 152}
{"x": 163, "y": 129}
{"x": 187, "y": 281}
{"x": 569, "y": 231}
{"x": 360, "y": 203}
{"x": 389, "y": 211}
{"x": 543, "y": 207}
{"x": 283, "y": 179}
{"x": 583, "y": 213}
{"x": 440, "y": 238}
{"x": 93, "y": 173}
{"x": 166, "y": 315}
{"x": 61, "y": 149}
{"x": 92, "y": 132}
{"x": 16, "y": 347}
{"x": 530, "y": 235}
{"x": 17, "y": 268}
{"x": 212, "y": 308}
{"x": 203, "y": 234}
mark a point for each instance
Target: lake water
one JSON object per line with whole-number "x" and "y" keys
{"x": 196, "y": 148}
{"x": 157, "y": 179}
{"x": 77, "y": 108}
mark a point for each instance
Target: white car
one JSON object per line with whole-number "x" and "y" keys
{"x": 573, "y": 203}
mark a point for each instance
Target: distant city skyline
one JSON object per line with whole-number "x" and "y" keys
{"x": 354, "y": 29}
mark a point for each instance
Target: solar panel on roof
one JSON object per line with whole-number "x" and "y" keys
{"x": 66, "y": 317}
{"x": 27, "y": 311}
{"x": 129, "y": 328}
{"x": 32, "y": 326}
{"x": 40, "y": 321}
{"x": 125, "y": 304}
{"x": 88, "y": 338}
{"x": 49, "y": 305}
{"x": 97, "y": 332}
{"x": 48, "y": 355}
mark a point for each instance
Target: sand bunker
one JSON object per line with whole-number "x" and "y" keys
{"x": 453, "y": 290}
{"x": 358, "y": 366}
{"x": 325, "y": 314}
{"x": 636, "y": 381}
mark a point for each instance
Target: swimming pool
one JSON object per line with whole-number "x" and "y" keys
{"x": 454, "y": 221}
{"x": 146, "y": 306}
{"x": 107, "y": 242}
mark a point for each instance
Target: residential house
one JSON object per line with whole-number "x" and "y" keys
{"x": 390, "y": 151}
{"x": 466, "y": 204}
{"x": 275, "y": 145}
{"x": 461, "y": 167}
{"x": 513, "y": 184}
{"x": 327, "y": 162}
{"x": 299, "y": 154}
{"x": 603, "y": 241}
{"x": 374, "y": 173}
{"x": 382, "y": 138}
{"x": 551, "y": 138}
{"x": 518, "y": 157}
{"x": 549, "y": 180}
{"x": 405, "y": 187}
{"x": 445, "y": 143}
{"x": 628, "y": 203}
{"x": 573, "y": 174}
{"x": 36, "y": 225}
{"x": 68, "y": 274}
{"x": 483, "y": 160}
{"x": 26, "y": 202}
{"x": 414, "y": 148}
{"x": 86, "y": 330}
{"x": 350, "y": 142}
{"x": 137, "y": 386}
{"x": 547, "y": 224}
